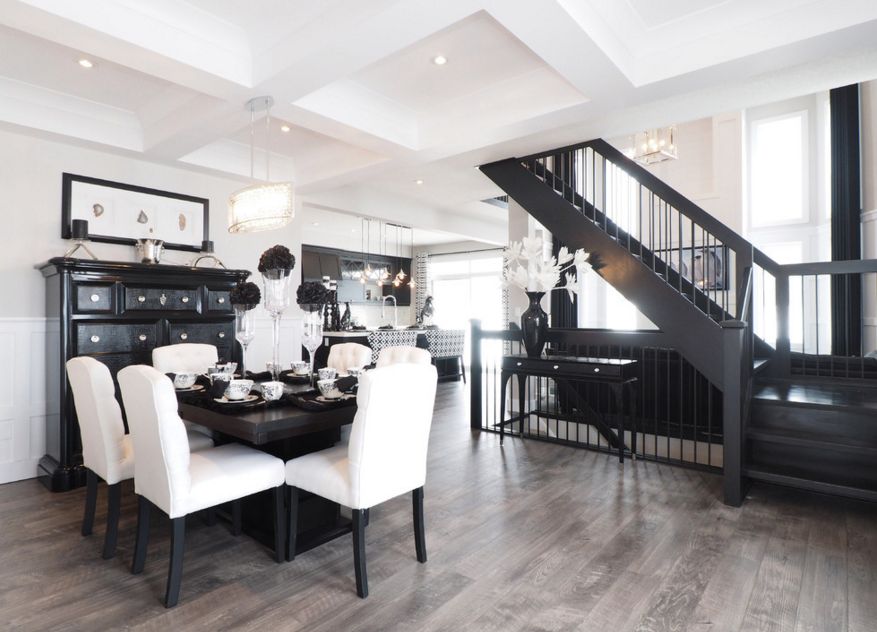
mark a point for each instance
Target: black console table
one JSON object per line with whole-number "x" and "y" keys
{"x": 618, "y": 374}
{"x": 118, "y": 312}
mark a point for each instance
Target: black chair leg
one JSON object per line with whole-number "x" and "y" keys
{"x": 462, "y": 369}
{"x": 90, "y": 502}
{"x": 292, "y": 520}
{"x": 359, "y": 552}
{"x": 114, "y": 501}
{"x": 142, "y": 540}
{"x": 175, "y": 569}
{"x": 209, "y": 517}
{"x": 367, "y": 516}
{"x": 419, "y": 531}
{"x": 236, "y": 518}
{"x": 280, "y": 536}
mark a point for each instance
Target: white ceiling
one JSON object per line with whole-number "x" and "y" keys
{"x": 368, "y": 110}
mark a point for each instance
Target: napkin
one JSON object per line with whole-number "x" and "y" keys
{"x": 264, "y": 376}
{"x": 217, "y": 389}
{"x": 344, "y": 384}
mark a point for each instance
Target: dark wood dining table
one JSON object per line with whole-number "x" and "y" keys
{"x": 285, "y": 431}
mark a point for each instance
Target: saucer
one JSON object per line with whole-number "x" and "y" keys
{"x": 191, "y": 389}
{"x": 329, "y": 400}
{"x": 249, "y": 399}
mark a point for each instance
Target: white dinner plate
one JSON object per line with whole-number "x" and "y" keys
{"x": 249, "y": 399}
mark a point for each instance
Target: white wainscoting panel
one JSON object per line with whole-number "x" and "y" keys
{"x": 24, "y": 406}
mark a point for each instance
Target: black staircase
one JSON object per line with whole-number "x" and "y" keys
{"x": 706, "y": 287}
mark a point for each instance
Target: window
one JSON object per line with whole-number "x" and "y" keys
{"x": 779, "y": 184}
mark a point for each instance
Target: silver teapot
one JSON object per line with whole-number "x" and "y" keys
{"x": 150, "y": 250}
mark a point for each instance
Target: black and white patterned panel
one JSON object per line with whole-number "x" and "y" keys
{"x": 446, "y": 343}
{"x": 378, "y": 340}
{"x": 421, "y": 281}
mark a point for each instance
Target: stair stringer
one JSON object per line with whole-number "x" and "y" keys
{"x": 689, "y": 330}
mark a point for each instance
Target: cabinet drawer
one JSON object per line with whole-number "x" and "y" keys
{"x": 94, "y": 298}
{"x": 218, "y": 301}
{"x": 115, "y": 338}
{"x": 217, "y": 334}
{"x": 152, "y": 299}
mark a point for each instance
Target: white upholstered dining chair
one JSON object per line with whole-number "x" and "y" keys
{"x": 385, "y": 457}
{"x": 167, "y": 476}
{"x": 403, "y": 355}
{"x": 188, "y": 357}
{"x": 348, "y": 354}
{"x": 107, "y": 452}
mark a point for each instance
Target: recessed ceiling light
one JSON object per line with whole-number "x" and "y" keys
{"x": 418, "y": 182}
{"x": 284, "y": 128}
{"x": 439, "y": 60}
{"x": 315, "y": 223}
{"x": 86, "y": 63}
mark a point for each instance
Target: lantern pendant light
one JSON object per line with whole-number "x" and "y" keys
{"x": 266, "y": 205}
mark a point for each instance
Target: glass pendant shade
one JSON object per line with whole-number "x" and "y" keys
{"x": 260, "y": 207}
{"x": 654, "y": 145}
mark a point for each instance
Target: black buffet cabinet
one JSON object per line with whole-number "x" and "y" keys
{"x": 118, "y": 313}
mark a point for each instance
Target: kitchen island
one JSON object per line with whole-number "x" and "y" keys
{"x": 445, "y": 345}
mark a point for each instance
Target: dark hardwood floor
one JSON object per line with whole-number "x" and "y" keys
{"x": 532, "y": 536}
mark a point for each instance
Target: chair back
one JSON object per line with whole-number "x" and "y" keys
{"x": 99, "y": 416}
{"x": 189, "y": 357}
{"x": 403, "y": 355}
{"x": 446, "y": 343}
{"x": 390, "y": 433}
{"x": 348, "y": 354}
{"x": 161, "y": 470}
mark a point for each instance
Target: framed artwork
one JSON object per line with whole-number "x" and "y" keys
{"x": 705, "y": 266}
{"x": 119, "y": 213}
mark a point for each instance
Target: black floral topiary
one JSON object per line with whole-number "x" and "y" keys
{"x": 245, "y": 294}
{"x": 277, "y": 258}
{"x": 311, "y": 293}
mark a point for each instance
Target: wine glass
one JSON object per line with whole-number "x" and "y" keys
{"x": 244, "y": 332}
{"x": 312, "y": 337}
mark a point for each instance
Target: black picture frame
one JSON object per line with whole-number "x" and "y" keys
{"x": 68, "y": 181}
{"x": 719, "y": 278}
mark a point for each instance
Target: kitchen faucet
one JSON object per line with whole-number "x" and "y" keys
{"x": 395, "y": 310}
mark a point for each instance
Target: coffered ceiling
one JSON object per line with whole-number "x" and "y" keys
{"x": 375, "y": 126}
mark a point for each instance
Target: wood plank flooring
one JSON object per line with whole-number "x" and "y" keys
{"x": 531, "y": 536}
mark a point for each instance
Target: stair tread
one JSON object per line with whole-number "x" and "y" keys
{"x": 787, "y": 476}
{"x": 812, "y": 440}
{"x": 816, "y": 394}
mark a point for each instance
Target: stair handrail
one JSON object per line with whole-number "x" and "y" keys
{"x": 667, "y": 193}
{"x": 745, "y": 304}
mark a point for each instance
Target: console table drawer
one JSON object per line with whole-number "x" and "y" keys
{"x": 151, "y": 299}
{"x": 115, "y": 338}
{"x": 94, "y": 298}
{"x": 560, "y": 366}
{"x": 217, "y": 334}
{"x": 218, "y": 301}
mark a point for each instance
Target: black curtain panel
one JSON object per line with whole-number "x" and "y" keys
{"x": 564, "y": 312}
{"x": 846, "y": 227}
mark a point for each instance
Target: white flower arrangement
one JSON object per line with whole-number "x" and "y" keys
{"x": 527, "y": 267}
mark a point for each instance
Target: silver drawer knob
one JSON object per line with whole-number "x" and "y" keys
{"x": 184, "y": 336}
{"x": 185, "y": 299}
{"x": 556, "y": 367}
{"x": 95, "y": 338}
{"x": 141, "y": 299}
{"x": 221, "y": 300}
{"x": 221, "y": 334}
{"x": 519, "y": 364}
{"x": 94, "y": 298}
{"x": 596, "y": 370}
{"x": 162, "y": 299}
{"x": 141, "y": 337}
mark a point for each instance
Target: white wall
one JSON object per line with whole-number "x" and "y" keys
{"x": 868, "y": 113}
{"x": 30, "y": 208}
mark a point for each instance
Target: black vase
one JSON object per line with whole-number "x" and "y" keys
{"x": 534, "y": 325}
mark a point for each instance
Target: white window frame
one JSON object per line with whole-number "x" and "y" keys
{"x": 804, "y": 217}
